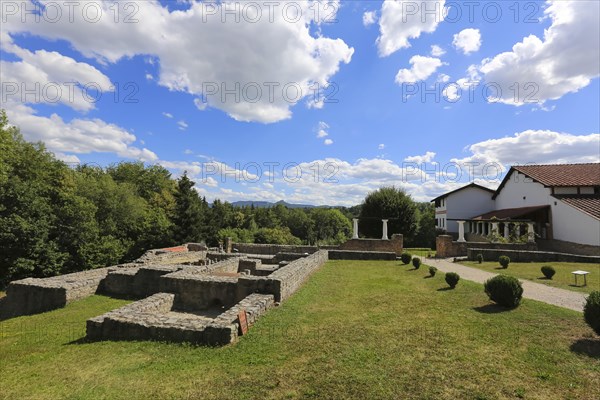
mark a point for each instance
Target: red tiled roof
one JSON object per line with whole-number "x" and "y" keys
{"x": 509, "y": 213}
{"x": 588, "y": 204}
{"x": 563, "y": 174}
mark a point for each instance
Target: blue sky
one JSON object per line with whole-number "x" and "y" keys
{"x": 157, "y": 70}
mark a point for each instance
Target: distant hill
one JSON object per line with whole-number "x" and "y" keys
{"x": 268, "y": 204}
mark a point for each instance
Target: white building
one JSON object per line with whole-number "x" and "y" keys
{"x": 560, "y": 204}
{"x": 461, "y": 204}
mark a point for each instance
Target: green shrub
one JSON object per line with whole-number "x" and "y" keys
{"x": 591, "y": 311}
{"x": 504, "y": 261}
{"x": 504, "y": 290}
{"x": 479, "y": 258}
{"x": 406, "y": 257}
{"x": 548, "y": 271}
{"x": 432, "y": 271}
{"x": 416, "y": 262}
{"x": 452, "y": 279}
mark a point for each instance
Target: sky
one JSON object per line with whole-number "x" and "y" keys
{"x": 306, "y": 101}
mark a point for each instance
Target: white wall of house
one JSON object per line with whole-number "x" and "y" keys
{"x": 568, "y": 223}
{"x": 465, "y": 204}
{"x": 571, "y": 225}
{"x": 521, "y": 191}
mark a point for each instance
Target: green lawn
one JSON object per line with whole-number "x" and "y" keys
{"x": 563, "y": 278}
{"x": 369, "y": 330}
{"x": 421, "y": 252}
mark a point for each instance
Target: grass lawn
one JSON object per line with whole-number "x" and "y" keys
{"x": 369, "y": 330}
{"x": 421, "y": 252}
{"x": 562, "y": 279}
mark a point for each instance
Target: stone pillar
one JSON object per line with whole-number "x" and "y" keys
{"x": 461, "y": 231}
{"x": 228, "y": 245}
{"x": 385, "y": 233}
{"x": 506, "y": 231}
{"x": 530, "y": 233}
{"x": 355, "y": 228}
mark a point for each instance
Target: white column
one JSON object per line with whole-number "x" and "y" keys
{"x": 355, "y": 228}
{"x": 506, "y": 231}
{"x": 530, "y": 232}
{"x": 461, "y": 231}
{"x": 495, "y": 227}
{"x": 385, "y": 236}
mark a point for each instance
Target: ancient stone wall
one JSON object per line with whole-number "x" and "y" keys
{"x": 272, "y": 249}
{"x": 153, "y": 318}
{"x": 529, "y": 256}
{"x": 568, "y": 247}
{"x": 293, "y": 275}
{"x": 361, "y": 255}
{"x": 446, "y": 247}
{"x": 35, "y": 295}
{"x": 395, "y": 245}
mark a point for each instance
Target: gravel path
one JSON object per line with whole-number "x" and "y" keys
{"x": 531, "y": 290}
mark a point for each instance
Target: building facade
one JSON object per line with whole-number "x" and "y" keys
{"x": 557, "y": 204}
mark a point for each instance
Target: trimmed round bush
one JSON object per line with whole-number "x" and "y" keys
{"x": 479, "y": 258}
{"x": 416, "y": 262}
{"x": 591, "y": 311}
{"x": 548, "y": 271}
{"x": 406, "y": 258}
{"x": 452, "y": 279}
{"x": 504, "y": 261}
{"x": 432, "y": 271}
{"x": 504, "y": 290}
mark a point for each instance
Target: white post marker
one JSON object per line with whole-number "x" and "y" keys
{"x": 355, "y": 228}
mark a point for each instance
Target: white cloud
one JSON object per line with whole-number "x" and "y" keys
{"x": 443, "y": 78}
{"x": 422, "y": 68}
{"x": 149, "y": 77}
{"x": 228, "y": 55}
{"x": 168, "y": 115}
{"x": 565, "y": 61}
{"x": 68, "y": 158}
{"x": 182, "y": 125}
{"x": 80, "y": 136}
{"x": 381, "y": 146}
{"x": 425, "y": 158}
{"x": 200, "y": 105}
{"x": 437, "y": 51}
{"x": 188, "y": 151}
{"x": 533, "y": 146}
{"x": 467, "y": 40}
{"x": 328, "y": 142}
{"x": 403, "y": 20}
{"x": 369, "y": 18}
{"x": 322, "y": 130}
{"x": 49, "y": 77}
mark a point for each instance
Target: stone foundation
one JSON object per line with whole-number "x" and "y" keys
{"x": 156, "y": 318}
{"x": 394, "y": 245}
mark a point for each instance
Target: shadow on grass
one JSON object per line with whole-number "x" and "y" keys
{"x": 81, "y": 340}
{"x": 588, "y": 347}
{"x": 428, "y": 277}
{"x": 445, "y": 289}
{"x": 491, "y": 309}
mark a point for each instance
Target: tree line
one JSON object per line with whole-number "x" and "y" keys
{"x": 55, "y": 219}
